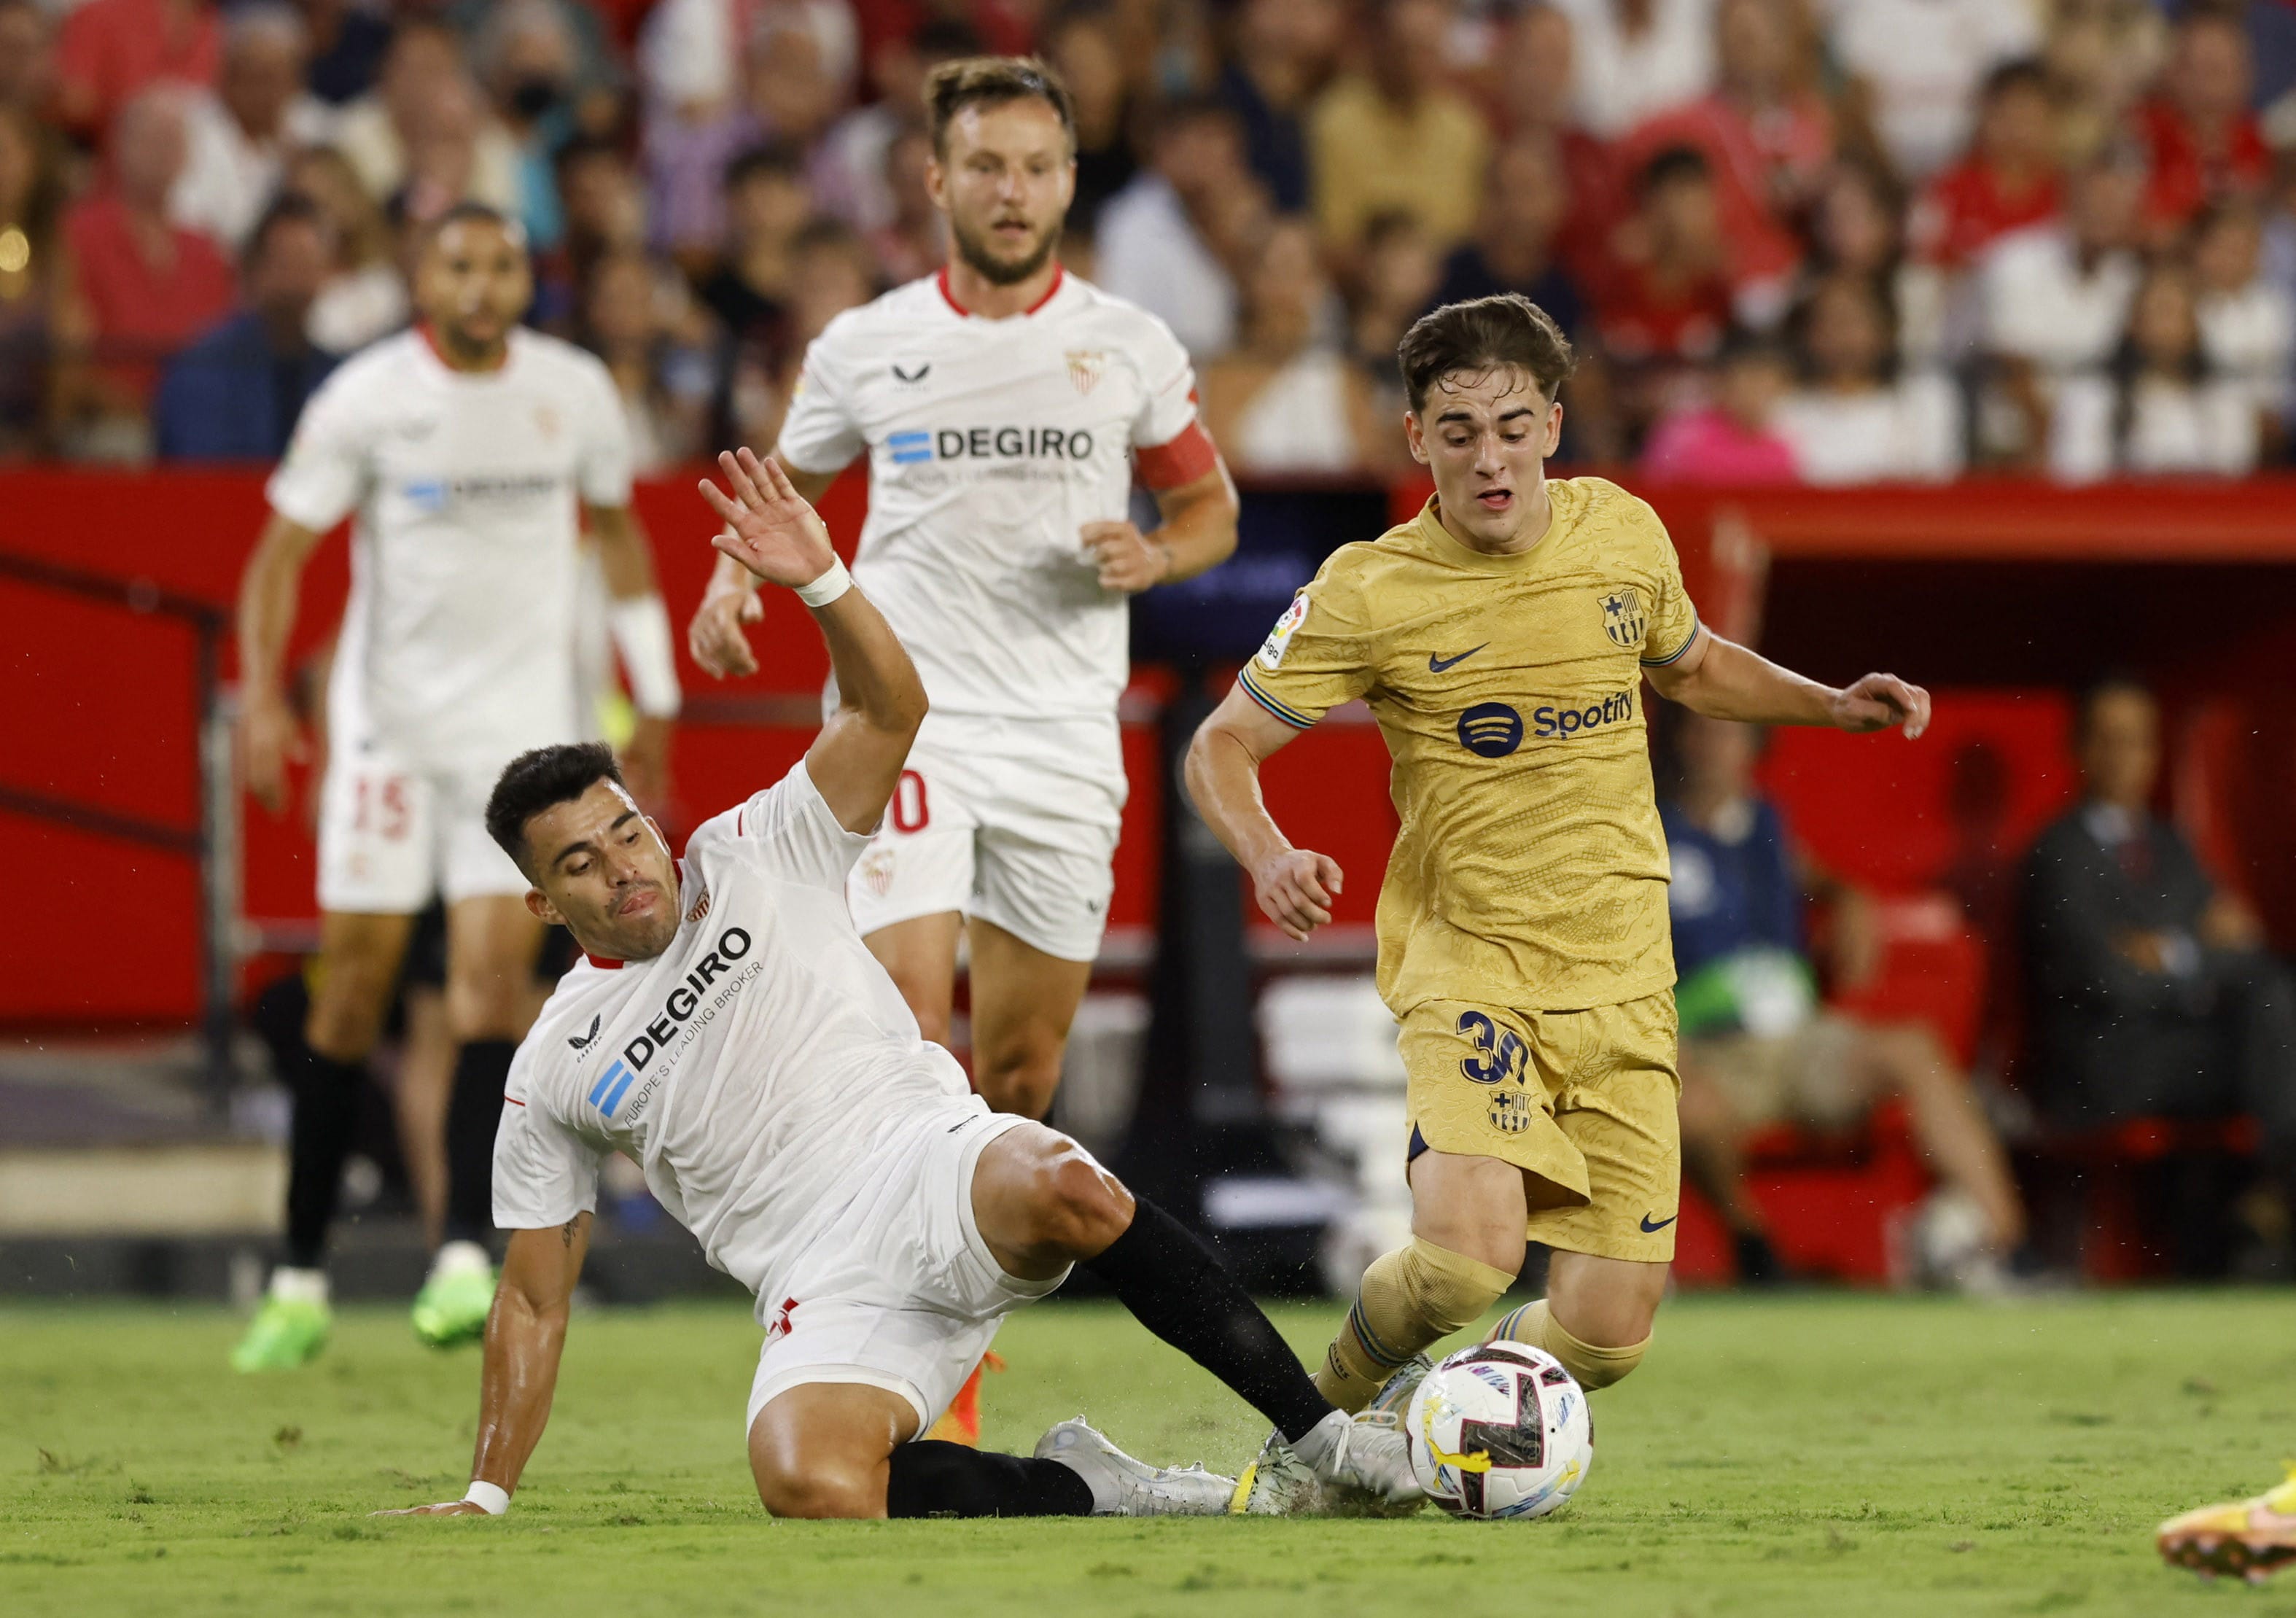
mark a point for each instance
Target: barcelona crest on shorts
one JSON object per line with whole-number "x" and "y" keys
{"x": 1622, "y": 617}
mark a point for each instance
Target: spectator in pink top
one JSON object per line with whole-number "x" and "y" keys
{"x": 1730, "y": 441}
{"x": 109, "y": 49}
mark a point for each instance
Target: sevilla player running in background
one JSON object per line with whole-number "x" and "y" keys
{"x": 469, "y": 450}
{"x": 1004, "y": 406}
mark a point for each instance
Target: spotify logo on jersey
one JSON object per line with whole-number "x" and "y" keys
{"x": 1490, "y": 730}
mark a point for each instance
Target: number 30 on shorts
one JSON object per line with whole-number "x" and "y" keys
{"x": 1502, "y": 1049}
{"x": 911, "y": 810}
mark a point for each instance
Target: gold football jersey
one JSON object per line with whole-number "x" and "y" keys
{"x": 1530, "y": 870}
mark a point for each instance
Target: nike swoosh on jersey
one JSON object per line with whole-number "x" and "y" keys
{"x": 1436, "y": 665}
{"x": 1649, "y": 1228}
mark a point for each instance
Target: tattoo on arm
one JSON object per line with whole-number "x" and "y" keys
{"x": 566, "y": 1235}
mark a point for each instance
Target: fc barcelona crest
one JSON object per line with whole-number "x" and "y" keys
{"x": 1622, "y": 617}
{"x": 1086, "y": 367}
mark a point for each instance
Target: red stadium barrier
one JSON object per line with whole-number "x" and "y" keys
{"x": 2014, "y": 589}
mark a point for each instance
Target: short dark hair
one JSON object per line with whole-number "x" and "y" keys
{"x": 991, "y": 81}
{"x": 2018, "y": 73}
{"x": 1484, "y": 334}
{"x": 467, "y": 212}
{"x": 1672, "y": 166}
{"x": 288, "y": 208}
{"x": 784, "y": 158}
{"x": 535, "y": 780}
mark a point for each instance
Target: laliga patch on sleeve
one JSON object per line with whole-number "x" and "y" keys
{"x": 1279, "y": 638}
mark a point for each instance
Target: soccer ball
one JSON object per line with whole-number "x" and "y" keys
{"x": 1499, "y": 1430}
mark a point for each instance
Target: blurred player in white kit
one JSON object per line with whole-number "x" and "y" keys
{"x": 1004, "y": 405}
{"x": 471, "y": 451}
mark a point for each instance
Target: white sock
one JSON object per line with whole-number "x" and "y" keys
{"x": 461, "y": 1258}
{"x": 299, "y": 1285}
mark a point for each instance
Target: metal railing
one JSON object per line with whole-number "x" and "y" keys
{"x": 213, "y": 844}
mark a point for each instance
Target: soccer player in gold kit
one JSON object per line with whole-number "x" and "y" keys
{"x": 1501, "y": 638}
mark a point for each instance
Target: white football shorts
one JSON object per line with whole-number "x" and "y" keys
{"x": 1014, "y": 821}
{"x": 897, "y": 1290}
{"x": 392, "y": 837}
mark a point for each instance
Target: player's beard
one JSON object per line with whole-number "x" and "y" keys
{"x": 1002, "y": 272}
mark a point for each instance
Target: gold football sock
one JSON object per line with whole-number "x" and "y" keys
{"x": 1411, "y": 1297}
{"x": 1594, "y": 1367}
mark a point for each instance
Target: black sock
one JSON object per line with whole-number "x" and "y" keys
{"x": 328, "y": 1095}
{"x": 473, "y": 1115}
{"x": 932, "y": 1479}
{"x": 1178, "y": 1289}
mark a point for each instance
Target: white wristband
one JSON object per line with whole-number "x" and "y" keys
{"x": 492, "y": 1499}
{"x": 641, "y": 630}
{"x": 826, "y": 589}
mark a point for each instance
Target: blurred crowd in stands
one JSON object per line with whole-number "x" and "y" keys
{"x": 1832, "y": 241}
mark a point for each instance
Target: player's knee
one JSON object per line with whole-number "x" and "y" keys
{"x": 1021, "y": 1076}
{"x": 347, "y": 1016}
{"x": 487, "y": 1007}
{"x": 1081, "y": 1207}
{"x": 1445, "y": 1290}
{"x": 822, "y": 1492}
{"x": 1618, "y": 1347}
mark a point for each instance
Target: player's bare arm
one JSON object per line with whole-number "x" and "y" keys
{"x": 1724, "y": 680}
{"x": 1197, "y": 534}
{"x": 641, "y": 631}
{"x": 525, "y": 1335}
{"x": 270, "y": 738}
{"x": 715, "y": 637}
{"x": 776, "y": 537}
{"x": 1296, "y": 888}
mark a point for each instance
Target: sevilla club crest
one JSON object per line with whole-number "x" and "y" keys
{"x": 1086, "y": 368}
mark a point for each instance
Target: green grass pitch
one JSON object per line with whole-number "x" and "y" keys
{"x": 1832, "y": 1455}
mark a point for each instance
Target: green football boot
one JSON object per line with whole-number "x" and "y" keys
{"x": 285, "y": 1333}
{"x": 451, "y": 1308}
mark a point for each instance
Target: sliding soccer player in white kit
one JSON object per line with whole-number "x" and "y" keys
{"x": 729, "y": 1031}
{"x": 470, "y": 450}
{"x": 1004, "y": 406}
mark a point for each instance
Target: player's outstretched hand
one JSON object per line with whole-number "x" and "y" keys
{"x": 444, "y": 1509}
{"x": 1880, "y": 701}
{"x": 770, "y": 529}
{"x": 1127, "y": 559}
{"x": 715, "y": 636}
{"x": 1296, "y": 890}
{"x": 269, "y": 739}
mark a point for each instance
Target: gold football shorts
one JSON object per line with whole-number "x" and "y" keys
{"x": 1583, "y": 1101}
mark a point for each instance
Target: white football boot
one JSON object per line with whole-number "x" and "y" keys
{"x": 1345, "y": 1466}
{"x": 1122, "y": 1487}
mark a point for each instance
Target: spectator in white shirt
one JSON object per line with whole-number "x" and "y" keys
{"x": 1634, "y": 59}
{"x": 240, "y": 135}
{"x": 1287, "y": 401}
{"x": 424, "y": 99}
{"x": 2248, "y": 323}
{"x": 1918, "y": 63}
{"x": 2159, "y": 407}
{"x": 365, "y": 297}
{"x": 2054, "y": 298}
{"x": 1164, "y": 240}
{"x": 1855, "y": 420}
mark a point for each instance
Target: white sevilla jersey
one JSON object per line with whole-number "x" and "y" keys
{"x": 991, "y": 443}
{"x": 458, "y": 643}
{"x": 748, "y": 1069}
